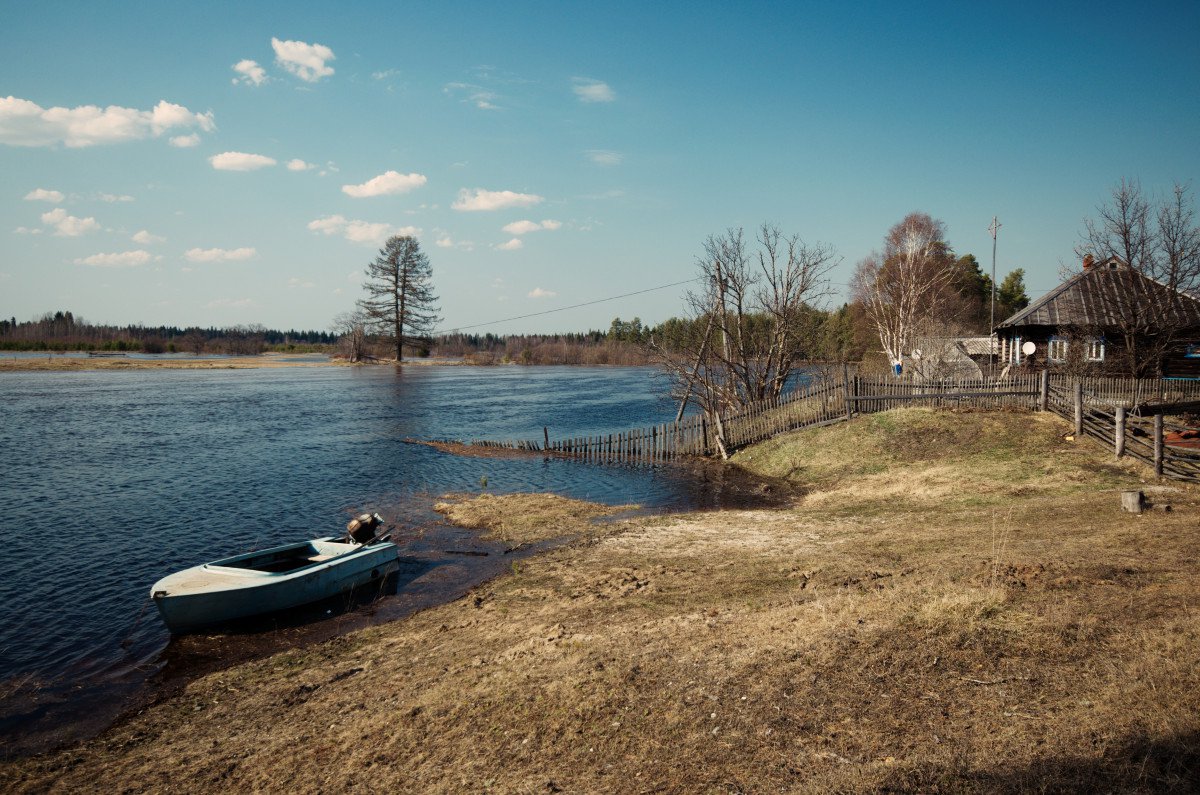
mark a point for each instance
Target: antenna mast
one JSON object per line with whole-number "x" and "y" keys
{"x": 994, "y": 228}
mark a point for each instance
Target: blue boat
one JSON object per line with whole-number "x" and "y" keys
{"x": 256, "y": 583}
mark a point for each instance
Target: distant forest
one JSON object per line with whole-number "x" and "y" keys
{"x": 626, "y": 342}
{"x": 62, "y": 331}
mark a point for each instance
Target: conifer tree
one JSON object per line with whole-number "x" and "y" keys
{"x": 400, "y": 304}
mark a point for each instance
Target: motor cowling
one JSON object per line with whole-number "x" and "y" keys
{"x": 361, "y": 529}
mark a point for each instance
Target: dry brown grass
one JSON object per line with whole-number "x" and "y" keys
{"x": 520, "y": 519}
{"x": 1038, "y": 640}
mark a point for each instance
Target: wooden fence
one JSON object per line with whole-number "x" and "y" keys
{"x": 1120, "y": 417}
{"x": 822, "y": 403}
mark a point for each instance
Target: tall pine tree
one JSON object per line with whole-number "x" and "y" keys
{"x": 400, "y": 303}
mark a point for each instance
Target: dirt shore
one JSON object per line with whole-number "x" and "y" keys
{"x": 122, "y": 363}
{"x": 955, "y": 603}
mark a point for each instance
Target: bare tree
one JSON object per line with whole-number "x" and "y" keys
{"x": 351, "y": 328}
{"x": 751, "y": 320}
{"x": 1150, "y": 260}
{"x": 400, "y": 303}
{"x": 904, "y": 288}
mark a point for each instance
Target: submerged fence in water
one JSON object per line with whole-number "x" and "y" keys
{"x": 1109, "y": 409}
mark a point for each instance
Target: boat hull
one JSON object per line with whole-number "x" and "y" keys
{"x": 230, "y": 589}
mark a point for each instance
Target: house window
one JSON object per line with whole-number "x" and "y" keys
{"x": 1193, "y": 350}
{"x": 1095, "y": 349}
{"x": 1057, "y": 351}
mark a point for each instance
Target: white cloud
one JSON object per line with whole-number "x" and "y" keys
{"x": 113, "y": 198}
{"x": 603, "y": 157}
{"x": 592, "y": 90}
{"x": 145, "y": 238}
{"x": 474, "y": 95}
{"x": 538, "y": 292}
{"x": 386, "y": 183}
{"x": 304, "y": 283}
{"x": 219, "y": 254}
{"x": 68, "y": 225}
{"x": 296, "y": 164}
{"x": 123, "y": 259}
{"x": 25, "y": 230}
{"x": 25, "y": 123}
{"x": 249, "y": 73}
{"x": 240, "y": 161}
{"x": 359, "y": 231}
{"x": 525, "y": 227}
{"x": 43, "y": 195}
{"x": 231, "y": 303}
{"x": 185, "y": 141}
{"x": 385, "y": 74}
{"x": 305, "y": 61}
{"x": 511, "y": 245}
{"x": 487, "y": 200}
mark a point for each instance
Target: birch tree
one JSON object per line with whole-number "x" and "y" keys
{"x": 903, "y": 289}
{"x": 400, "y": 304}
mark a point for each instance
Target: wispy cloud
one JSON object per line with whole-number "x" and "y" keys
{"x": 113, "y": 198}
{"x": 68, "y": 225}
{"x": 249, "y": 73}
{"x": 359, "y": 231}
{"x": 588, "y": 90}
{"x": 219, "y": 254}
{"x": 604, "y": 157}
{"x": 240, "y": 161}
{"x": 301, "y": 283}
{"x": 305, "y": 61}
{"x": 511, "y": 245}
{"x": 525, "y": 227}
{"x": 538, "y": 292}
{"x": 296, "y": 164}
{"x": 231, "y": 303}
{"x": 471, "y": 94}
{"x": 385, "y": 74}
{"x": 123, "y": 259}
{"x": 480, "y": 200}
{"x": 184, "y": 141}
{"x": 43, "y": 195}
{"x": 388, "y": 182}
{"x": 446, "y": 241}
{"x": 25, "y": 123}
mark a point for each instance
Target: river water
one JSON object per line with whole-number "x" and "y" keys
{"x": 110, "y": 480}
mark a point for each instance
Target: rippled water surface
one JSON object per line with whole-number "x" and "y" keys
{"x": 111, "y": 480}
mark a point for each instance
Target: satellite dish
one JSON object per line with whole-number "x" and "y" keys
{"x": 1028, "y": 348}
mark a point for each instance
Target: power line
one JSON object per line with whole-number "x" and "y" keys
{"x": 564, "y": 308}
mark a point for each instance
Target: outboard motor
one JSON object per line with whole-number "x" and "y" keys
{"x": 361, "y": 529}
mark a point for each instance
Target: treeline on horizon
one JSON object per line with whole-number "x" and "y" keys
{"x": 63, "y": 331}
{"x": 841, "y": 334}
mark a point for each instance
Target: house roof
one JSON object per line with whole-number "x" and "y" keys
{"x": 1097, "y": 297}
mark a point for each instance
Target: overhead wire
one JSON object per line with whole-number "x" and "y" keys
{"x": 455, "y": 329}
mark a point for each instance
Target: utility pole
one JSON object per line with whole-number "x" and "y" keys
{"x": 994, "y": 229}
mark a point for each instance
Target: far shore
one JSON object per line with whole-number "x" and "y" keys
{"x": 79, "y": 361}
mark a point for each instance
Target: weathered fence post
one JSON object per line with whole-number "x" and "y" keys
{"x": 846, "y": 388}
{"x": 1044, "y": 390}
{"x": 1158, "y": 444}
{"x": 1120, "y": 432}
{"x": 546, "y": 436}
{"x": 1078, "y": 408}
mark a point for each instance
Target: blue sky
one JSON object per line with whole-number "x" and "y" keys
{"x": 217, "y": 164}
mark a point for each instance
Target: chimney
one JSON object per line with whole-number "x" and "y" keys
{"x": 1088, "y": 262}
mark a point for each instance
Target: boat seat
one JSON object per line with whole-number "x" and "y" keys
{"x": 319, "y": 558}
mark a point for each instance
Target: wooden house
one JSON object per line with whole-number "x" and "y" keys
{"x": 1084, "y": 322}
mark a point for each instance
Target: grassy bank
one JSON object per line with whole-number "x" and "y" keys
{"x": 956, "y": 604}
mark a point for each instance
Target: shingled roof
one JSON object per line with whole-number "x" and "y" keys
{"x": 1094, "y": 298}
